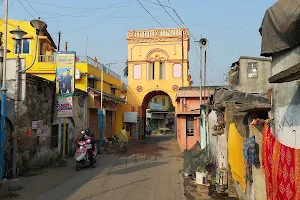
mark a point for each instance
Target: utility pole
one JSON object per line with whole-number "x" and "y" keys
{"x": 86, "y": 47}
{"x": 3, "y": 92}
{"x": 59, "y": 35}
{"x": 16, "y": 109}
{"x": 182, "y": 58}
{"x": 203, "y": 44}
{"x": 204, "y": 82}
{"x": 101, "y": 110}
{"x": 200, "y": 88}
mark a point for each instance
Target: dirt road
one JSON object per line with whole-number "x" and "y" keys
{"x": 148, "y": 171}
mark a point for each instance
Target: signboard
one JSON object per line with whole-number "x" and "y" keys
{"x": 64, "y": 106}
{"x": 156, "y": 106}
{"x": 148, "y": 115}
{"x": 77, "y": 74}
{"x": 65, "y": 72}
{"x": 130, "y": 117}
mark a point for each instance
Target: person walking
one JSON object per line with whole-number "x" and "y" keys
{"x": 123, "y": 139}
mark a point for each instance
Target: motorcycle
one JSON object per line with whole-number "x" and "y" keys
{"x": 81, "y": 155}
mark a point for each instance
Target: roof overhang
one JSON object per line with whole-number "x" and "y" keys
{"x": 115, "y": 87}
{"x": 94, "y": 77}
{"x": 288, "y": 75}
{"x": 255, "y": 108}
{"x": 106, "y": 96}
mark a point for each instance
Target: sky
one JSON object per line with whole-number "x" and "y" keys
{"x": 230, "y": 26}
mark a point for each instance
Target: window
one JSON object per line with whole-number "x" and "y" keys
{"x": 161, "y": 70}
{"x": 137, "y": 72}
{"x": 91, "y": 83}
{"x": 252, "y": 69}
{"x": 164, "y": 102}
{"x": 24, "y": 48}
{"x": 189, "y": 125}
{"x": 152, "y": 71}
{"x": 177, "y": 71}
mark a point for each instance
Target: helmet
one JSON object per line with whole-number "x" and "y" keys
{"x": 88, "y": 132}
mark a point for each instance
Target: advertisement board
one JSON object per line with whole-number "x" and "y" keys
{"x": 64, "y": 106}
{"x": 65, "y": 72}
{"x": 130, "y": 117}
{"x": 156, "y": 106}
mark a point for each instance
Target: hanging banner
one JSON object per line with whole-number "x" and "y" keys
{"x": 64, "y": 106}
{"x": 65, "y": 72}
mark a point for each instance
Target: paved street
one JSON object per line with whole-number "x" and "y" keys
{"x": 150, "y": 172}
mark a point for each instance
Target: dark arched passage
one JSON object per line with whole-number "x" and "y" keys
{"x": 147, "y": 100}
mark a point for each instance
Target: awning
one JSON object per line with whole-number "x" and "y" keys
{"x": 108, "y": 97}
{"x": 255, "y": 108}
{"x": 189, "y": 113}
{"x": 161, "y": 111}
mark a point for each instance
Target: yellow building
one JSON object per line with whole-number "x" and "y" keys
{"x": 88, "y": 69}
{"x": 155, "y": 60}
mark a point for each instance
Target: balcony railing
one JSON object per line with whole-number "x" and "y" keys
{"x": 89, "y": 60}
{"x": 81, "y": 59}
{"x": 157, "y": 33}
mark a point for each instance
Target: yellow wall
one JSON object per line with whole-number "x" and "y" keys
{"x": 120, "y": 117}
{"x": 45, "y": 66}
{"x": 145, "y": 46}
{"x": 46, "y": 69}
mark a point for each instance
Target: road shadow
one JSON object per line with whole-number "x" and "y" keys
{"x": 136, "y": 168}
{"x": 116, "y": 188}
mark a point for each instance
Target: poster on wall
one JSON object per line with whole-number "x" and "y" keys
{"x": 64, "y": 106}
{"x": 65, "y": 72}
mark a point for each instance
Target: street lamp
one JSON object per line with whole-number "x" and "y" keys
{"x": 18, "y": 33}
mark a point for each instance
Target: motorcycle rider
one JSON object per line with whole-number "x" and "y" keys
{"x": 88, "y": 132}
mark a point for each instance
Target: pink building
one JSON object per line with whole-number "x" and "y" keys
{"x": 188, "y": 113}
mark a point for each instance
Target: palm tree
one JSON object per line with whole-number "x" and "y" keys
{"x": 125, "y": 71}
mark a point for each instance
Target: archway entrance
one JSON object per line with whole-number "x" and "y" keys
{"x": 158, "y": 112}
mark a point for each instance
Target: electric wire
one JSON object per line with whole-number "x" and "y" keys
{"x": 25, "y": 9}
{"x": 32, "y": 7}
{"x": 76, "y": 8}
{"x": 159, "y": 4}
{"x": 168, "y": 13}
{"x": 150, "y": 14}
{"x": 79, "y": 29}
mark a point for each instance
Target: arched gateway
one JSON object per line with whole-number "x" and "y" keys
{"x": 155, "y": 68}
